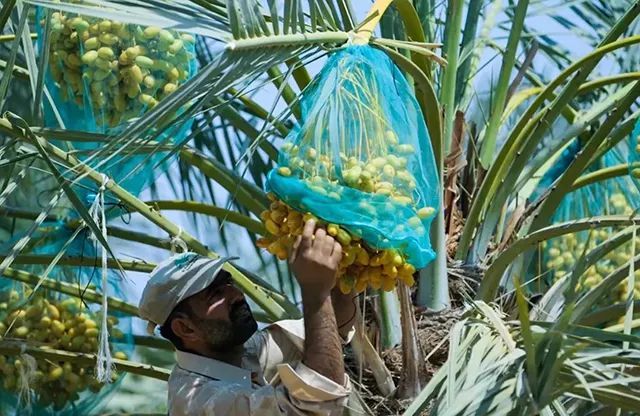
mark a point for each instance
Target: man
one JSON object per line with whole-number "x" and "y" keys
{"x": 224, "y": 367}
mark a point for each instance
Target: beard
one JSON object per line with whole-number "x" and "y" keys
{"x": 222, "y": 335}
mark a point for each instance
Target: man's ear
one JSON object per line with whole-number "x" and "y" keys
{"x": 184, "y": 328}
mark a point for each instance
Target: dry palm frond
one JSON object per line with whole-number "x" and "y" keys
{"x": 489, "y": 370}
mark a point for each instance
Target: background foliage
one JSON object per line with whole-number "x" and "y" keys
{"x": 513, "y": 84}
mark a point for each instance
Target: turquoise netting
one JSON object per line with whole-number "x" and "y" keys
{"x": 68, "y": 327}
{"x": 362, "y": 157}
{"x": 634, "y": 154}
{"x": 103, "y": 75}
{"x": 613, "y": 196}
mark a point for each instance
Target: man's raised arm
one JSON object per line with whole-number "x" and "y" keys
{"x": 315, "y": 259}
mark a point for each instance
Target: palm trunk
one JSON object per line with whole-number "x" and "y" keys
{"x": 390, "y": 326}
{"x": 413, "y": 365}
{"x": 433, "y": 286}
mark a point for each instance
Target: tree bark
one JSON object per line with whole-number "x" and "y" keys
{"x": 413, "y": 365}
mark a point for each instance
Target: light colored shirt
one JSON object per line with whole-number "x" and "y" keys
{"x": 271, "y": 380}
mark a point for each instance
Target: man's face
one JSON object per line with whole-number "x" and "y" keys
{"x": 222, "y": 316}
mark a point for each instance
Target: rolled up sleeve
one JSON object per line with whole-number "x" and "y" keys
{"x": 305, "y": 384}
{"x": 294, "y": 332}
{"x": 311, "y": 393}
{"x": 306, "y": 389}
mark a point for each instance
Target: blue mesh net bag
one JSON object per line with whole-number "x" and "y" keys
{"x": 104, "y": 74}
{"x": 67, "y": 319}
{"x": 362, "y": 161}
{"x": 614, "y": 196}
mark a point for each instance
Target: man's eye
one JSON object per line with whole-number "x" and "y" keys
{"x": 222, "y": 284}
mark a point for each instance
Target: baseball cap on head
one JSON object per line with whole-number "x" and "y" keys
{"x": 176, "y": 279}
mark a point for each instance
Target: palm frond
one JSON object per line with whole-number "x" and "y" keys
{"x": 487, "y": 375}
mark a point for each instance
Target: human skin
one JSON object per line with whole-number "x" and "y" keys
{"x": 219, "y": 323}
{"x": 315, "y": 260}
{"x": 218, "y": 312}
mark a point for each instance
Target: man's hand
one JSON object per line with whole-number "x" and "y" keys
{"x": 314, "y": 260}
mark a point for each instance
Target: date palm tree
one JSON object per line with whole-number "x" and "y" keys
{"x": 492, "y": 145}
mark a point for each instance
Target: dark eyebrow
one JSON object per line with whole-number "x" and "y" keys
{"x": 223, "y": 278}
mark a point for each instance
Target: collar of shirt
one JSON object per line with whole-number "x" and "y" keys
{"x": 214, "y": 369}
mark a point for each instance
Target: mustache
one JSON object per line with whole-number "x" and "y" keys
{"x": 240, "y": 307}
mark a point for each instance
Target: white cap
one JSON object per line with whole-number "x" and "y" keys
{"x": 174, "y": 280}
